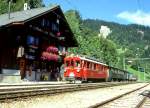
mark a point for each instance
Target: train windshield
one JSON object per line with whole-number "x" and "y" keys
{"x": 77, "y": 63}
{"x": 74, "y": 63}
{"x": 69, "y": 63}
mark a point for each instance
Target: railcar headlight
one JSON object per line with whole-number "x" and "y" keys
{"x": 71, "y": 74}
{"x": 78, "y": 70}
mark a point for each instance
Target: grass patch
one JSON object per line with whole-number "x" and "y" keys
{"x": 140, "y": 75}
{"x": 120, "y": 51}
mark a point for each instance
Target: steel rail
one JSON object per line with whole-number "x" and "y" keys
{"x": 31, "y": 84}
{"x": 35, "y": 84}
{"x": 139, "y": 105}
{"x": 115, "y": 98}
{"x": 12, "y": 88}
{"x": 26, "y": 92}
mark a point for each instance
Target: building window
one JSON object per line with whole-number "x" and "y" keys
{"x": 54, "y": 27}
{"x": 9, "y": 58}
{"x": 32, "y": 40}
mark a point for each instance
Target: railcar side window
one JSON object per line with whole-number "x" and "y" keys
{"x": 94, "y": 66}
{"x": 82, "y": 64}
{"x": 85, "y": 64}
{"x": 88, "y": 65}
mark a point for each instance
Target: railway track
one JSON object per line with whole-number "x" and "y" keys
{"x": 17, "y": 92}
{"x": 131, "y": 99}
{"x": 54, "y": 84}
{"x": 145, "y": 102}
{"x": 31, "y": 84}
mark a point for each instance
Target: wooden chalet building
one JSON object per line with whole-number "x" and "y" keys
{"x": 33, "y": 43}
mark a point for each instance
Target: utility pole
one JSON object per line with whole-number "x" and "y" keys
{"x": 144, "y": 72}
{"x": 9, "y": 6}
{"x": 124, "y": 67}
{"x": 138, "y": 63}
{"x": 9, "y": 9}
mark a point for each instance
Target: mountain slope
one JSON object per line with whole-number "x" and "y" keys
{"x": 134, "y": 37}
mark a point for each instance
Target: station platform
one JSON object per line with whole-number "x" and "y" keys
{"x": 34, "y": 83}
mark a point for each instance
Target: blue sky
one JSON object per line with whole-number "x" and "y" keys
{"x": 121, "y": 11}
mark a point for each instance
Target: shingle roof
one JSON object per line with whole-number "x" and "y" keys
{"x": 22, "y": 16}
{"x": 27, "y": 15}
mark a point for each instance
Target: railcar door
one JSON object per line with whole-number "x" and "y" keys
{"x": 84, "y": 71}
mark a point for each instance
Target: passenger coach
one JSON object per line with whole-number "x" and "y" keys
{"x": 84, "y": 69}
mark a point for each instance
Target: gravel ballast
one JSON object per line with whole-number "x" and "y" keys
{"x": 79, "y": 99}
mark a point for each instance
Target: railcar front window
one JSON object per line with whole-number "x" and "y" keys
{"x": 77, "y": 63}
{"x": 67, "y": 63}
{"x": 72, "y": 63}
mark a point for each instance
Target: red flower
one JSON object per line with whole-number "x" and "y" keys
{"x": 58, "y": 33}
{"x": 52, "y": 49}
{"x": 49, "y": 56}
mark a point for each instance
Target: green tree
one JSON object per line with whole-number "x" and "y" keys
{"x": 109, "y": 52}
{"x": 127, "y": 38}
{"x": 74, "y": 20}
{"x": 89, "y": 42}
{"x": 19, "y": 4}
{"x": 35, "y": 3}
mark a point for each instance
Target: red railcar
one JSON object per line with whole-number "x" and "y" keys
{"x": 84, "y": 69}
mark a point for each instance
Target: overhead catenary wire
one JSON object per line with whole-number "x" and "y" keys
{"x": 75, "y": 7}
{"x": 140, "y": 8}
{"x": 139, "y": 4}
{"x": 72, "y": 5}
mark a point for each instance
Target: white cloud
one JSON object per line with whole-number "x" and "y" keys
{"x": 138, "y": 17}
